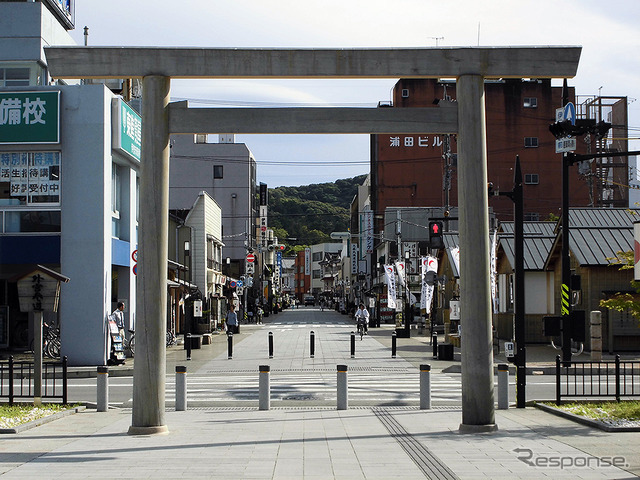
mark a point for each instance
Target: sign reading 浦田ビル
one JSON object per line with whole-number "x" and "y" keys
{"x": 30, "y": 117}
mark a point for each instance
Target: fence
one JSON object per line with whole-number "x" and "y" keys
{"x": 17, "y": 380}
{"x": 597, "y": 379}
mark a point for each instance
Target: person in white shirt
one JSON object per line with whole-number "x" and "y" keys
{"x": 364, "y": 314}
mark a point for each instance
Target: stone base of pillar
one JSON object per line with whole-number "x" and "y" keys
{"x": 158, "y": 430}
{"x": 491, "y": 427}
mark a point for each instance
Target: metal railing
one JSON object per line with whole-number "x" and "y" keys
{"x": 597, "y": 379}
{"x": 17, "y": 380}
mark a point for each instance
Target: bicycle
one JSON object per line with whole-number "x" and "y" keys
{"x": 50, "y": 341}
{"x": 130, "y": 343}
{"x": 171, "y": 338}
{"x": 360, "y": 323}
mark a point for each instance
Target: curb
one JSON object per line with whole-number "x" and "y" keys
{"x": 41, "y": 421}
{"x": 584, "y": 420}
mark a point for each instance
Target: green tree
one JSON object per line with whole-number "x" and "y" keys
{"x": 623, "y": 302}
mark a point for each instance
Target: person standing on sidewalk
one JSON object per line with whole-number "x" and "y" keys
{"x": 232, "y": 319}
{"x": 118, "y": 315}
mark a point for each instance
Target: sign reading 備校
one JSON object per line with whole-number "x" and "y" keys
{"x": 30, "y": 117}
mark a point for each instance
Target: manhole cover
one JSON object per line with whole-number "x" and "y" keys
{"x": 299, "y": 397}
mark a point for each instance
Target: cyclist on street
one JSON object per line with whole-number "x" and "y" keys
{"x": 362, "y": 315}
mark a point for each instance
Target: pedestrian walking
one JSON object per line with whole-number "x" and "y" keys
{"x": 232, "y": 319}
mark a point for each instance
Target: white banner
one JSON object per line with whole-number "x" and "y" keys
{"x": 455, "y": 254}
{"x": 494, "y": 271}
{"x": 368, "y": 229}
{"x": 354, "y": 258}
{"x": 401, "y": 273}
{"x": 307, "y": 261}
{"x": 429, "y": 264}
{"x": 391, "y": 286}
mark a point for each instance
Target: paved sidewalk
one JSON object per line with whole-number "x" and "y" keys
{"x": 315, "y": 442}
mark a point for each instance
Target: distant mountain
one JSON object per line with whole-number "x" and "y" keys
{"x": 310, "y": 213}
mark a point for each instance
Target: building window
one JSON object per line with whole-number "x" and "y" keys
{"x": 531, "y": 217}
{"x": 530, "y": 102}
{"x": 531, "y": 179}
{"x": 217, "y": 171}
{"x": 530, "y": 142}
{"x": 29, "y": 178}
{"x": 317, "y": 274}
{"x": 116, "y": 191}
{"x": 317, "y": 256}
{"x": 21, "y": 74}
{"x": 405, "y": 93}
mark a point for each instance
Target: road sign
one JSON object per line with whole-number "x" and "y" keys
{"x": 568, "y": 112}
{"x": 249, "y": 268}
{"x": 567, "y": 144}
{"x": 251, "y": 257}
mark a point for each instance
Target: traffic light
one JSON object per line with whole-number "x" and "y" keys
{"x": 435, "y": 235}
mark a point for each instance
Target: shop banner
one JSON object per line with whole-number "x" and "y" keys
{"x": 391, "y": 286}
{"x": 429, "y": 264}
{"x": 401, "y": 273}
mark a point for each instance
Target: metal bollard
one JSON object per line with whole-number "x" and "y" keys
{"x": 188, "y": 340}
{"x": 264, "y": 388}
{"x": 312, "y": 344}
{"x": 270, "y": 344}
{"x": 503, "y": 386}
{"x": 343, "y": 401}
{"x": 425, "y": 387}
{"x": 229, "y": 345}
{"x": 434, "y": 342}
{"x": 181, "y": 388}
{"x": 393, "y": 344}
{"x": 103, "y": 389}
{"x": 353, "y": 345}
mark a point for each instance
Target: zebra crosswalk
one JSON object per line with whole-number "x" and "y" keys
{"x": 320, "y": 388}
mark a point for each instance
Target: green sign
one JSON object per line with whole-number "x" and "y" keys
{"x": 127, "y": 129}
{"x": 30, "y": 117}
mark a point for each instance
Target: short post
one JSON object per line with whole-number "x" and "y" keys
{"x": 503, "y": 386}
{"x": 229, "y": 344}
{"x": 188, "y": 340}
{"x": 103, "y": 389}
{"x": 425, "y": 387}
{"x": 270, "y": 344}
{"x": 434, "y": 342}
{"x": 343, "y": 401}
{"x": 264, "y": 388}
{"x": 393, "y": 344}
{"x": 181, "y": 388}
{"x": 558, "y": 384}
{"x": 353, "y": 345}
{"x": 617, "y": 359}
{"x": 595, "y": 321}
{"x": 312, "y": 344}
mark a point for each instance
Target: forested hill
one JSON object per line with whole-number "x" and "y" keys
{"x": 310, "y": 213}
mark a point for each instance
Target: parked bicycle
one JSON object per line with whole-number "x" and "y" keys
{"x": 50, "y": 341}
{"x": 171, "y": 338}
{"x": 129, "y": 344}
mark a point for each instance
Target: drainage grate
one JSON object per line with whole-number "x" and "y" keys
{"x": 430, "y": 465}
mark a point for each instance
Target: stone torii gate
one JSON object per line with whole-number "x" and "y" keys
{"x": 470, "y": 66}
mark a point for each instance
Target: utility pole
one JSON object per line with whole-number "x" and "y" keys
{"x": 565, "y": 293}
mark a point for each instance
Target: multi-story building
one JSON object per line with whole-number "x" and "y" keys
{"x": 69, "y": 157}
{"x": 420, "y": 170}
{"x": 226, "y": 171}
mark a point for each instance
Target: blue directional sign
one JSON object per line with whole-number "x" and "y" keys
{"x": 569, "y": 113}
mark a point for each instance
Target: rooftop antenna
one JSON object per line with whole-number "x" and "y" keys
{"x": 436, "y": 39}
{"x": 478, "y": 33}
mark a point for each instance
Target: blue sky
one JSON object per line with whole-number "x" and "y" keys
{"x": 608, "y": 33}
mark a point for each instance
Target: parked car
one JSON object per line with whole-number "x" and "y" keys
{"x": 309, "y": 300}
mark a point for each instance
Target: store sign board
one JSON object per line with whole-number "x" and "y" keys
{"x": 30, "y": 117}
{"x": 127, "y": 129}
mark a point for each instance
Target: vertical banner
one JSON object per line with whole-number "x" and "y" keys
{"x": 391, "y": 286}
{"x": 354, "y": 258}
{"x": 368, "y": 229}
{"x": 429, "y": 264}
{"x": 494, "y": 271}
{"x": 401, "y": 273}
{"x": 263, "y": 226}
{"x": 307, "y": 261}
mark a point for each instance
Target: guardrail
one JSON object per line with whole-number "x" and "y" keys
{"x": 597, "y": 379}
{"x": 16, "y": 380}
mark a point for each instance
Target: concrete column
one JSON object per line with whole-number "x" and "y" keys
{"x": 478, "y": 411}
{"x": 151, "y": 323}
